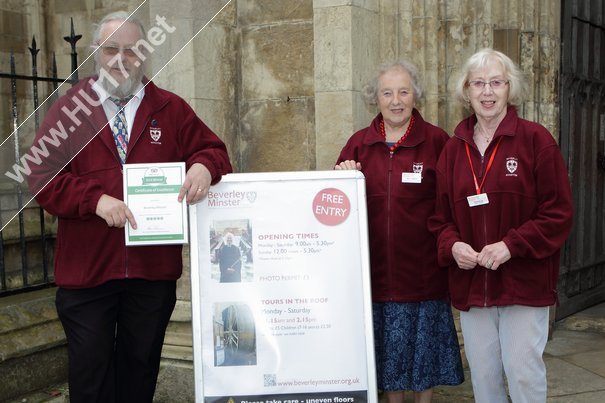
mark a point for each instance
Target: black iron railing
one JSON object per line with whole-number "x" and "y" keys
{"x": 26, "y": 249}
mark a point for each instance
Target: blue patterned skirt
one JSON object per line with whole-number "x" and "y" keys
{"x": 416, "y": 345}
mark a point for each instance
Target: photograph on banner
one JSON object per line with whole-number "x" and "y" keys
{"x": 231, "y": 251}
{"x": 234, "y": 334}
{"x": 300, "y": 320}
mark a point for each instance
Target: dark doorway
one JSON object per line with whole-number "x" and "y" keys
{"x": 582, "y": 280}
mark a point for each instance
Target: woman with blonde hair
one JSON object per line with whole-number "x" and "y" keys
{"x": 503, "y": 211}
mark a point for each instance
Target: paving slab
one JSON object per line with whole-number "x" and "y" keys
{"x": 593, "y": 361}
{"x": 566, "y": 379}
{"x": 589, "y": 397}
{"x": 567, "y": 342}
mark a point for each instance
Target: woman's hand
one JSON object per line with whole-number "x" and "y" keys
{"x": 493, "y": 255}
{"x": 465, "y": 255}
{"x": 348, "y": 164}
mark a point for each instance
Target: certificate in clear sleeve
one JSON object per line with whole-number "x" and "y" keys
{"x": 151, "y": 192}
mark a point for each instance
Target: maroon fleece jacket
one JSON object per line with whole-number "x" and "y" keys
{"x": 403, "y": 255}
{"x": 88, "y": 252}
{"x": 530, "y": 209}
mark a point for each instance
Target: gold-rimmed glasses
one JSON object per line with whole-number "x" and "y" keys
{"x": 494, "y": 84}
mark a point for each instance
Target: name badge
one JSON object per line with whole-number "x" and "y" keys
{"x": 411, "y": 177}
{"x": 477, "y": 200}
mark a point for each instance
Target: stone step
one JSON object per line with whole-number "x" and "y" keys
{"x": 53, "y": 394}
{"x": 33, "y": 355}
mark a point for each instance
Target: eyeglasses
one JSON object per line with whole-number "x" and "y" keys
{"x": 112, "y": 50}
{"x": 494, "y": 84}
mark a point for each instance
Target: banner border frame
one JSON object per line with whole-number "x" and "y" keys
{"x": 364, "y": 258}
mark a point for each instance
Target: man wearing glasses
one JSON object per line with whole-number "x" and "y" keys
{"x": 115, "y": 301}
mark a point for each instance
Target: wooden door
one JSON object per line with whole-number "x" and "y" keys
{"x": 582, "y": 280}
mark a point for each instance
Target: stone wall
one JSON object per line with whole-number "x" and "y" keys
{"x": 280, "y": 80}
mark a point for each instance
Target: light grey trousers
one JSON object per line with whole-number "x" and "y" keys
{"x": 509, "y": 341}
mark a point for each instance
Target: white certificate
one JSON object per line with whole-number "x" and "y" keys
{"x": 151, "y": 192}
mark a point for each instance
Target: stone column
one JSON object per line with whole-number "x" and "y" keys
{"x": 346, "y": 50}
{"x": 197, "y": 62}
{"x": 276, "y": 99}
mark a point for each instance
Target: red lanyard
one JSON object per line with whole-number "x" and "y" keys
{"x": 489, "y": 165}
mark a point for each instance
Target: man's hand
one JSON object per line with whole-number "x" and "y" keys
{"x": 115, "y": 212}
{"x": 196, "y": 184}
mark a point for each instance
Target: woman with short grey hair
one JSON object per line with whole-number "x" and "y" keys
{"x": 415, "y": 339}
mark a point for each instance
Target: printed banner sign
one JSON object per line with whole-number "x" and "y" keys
{"x": 280, "y": 290}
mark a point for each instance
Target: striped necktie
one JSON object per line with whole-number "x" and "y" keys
{"x": 119, "y": 128}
